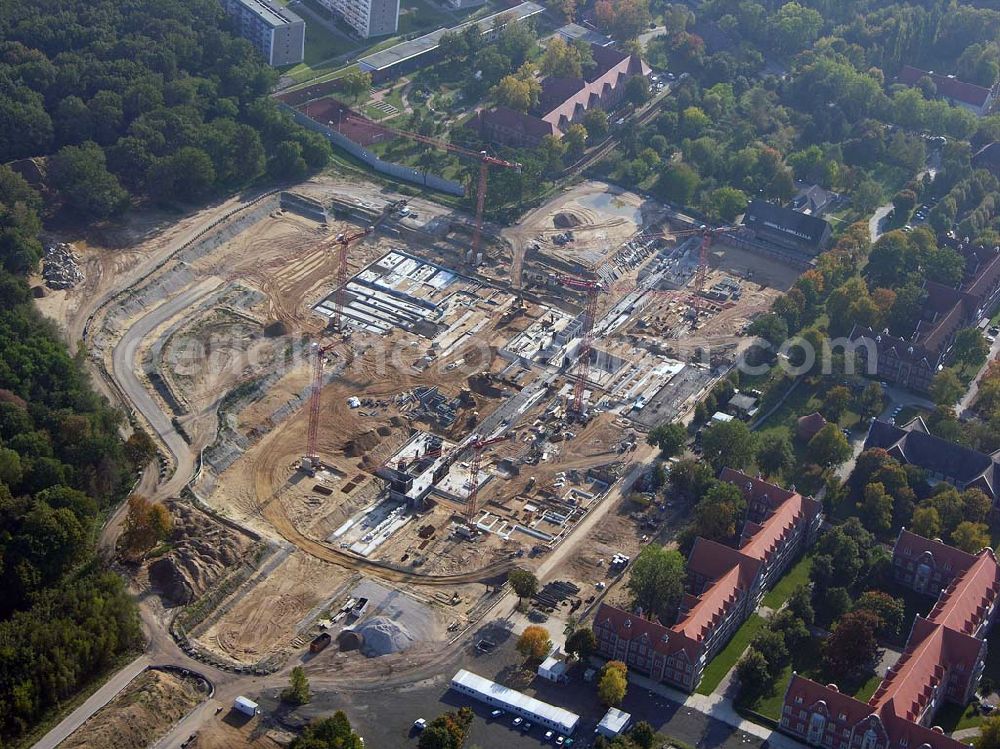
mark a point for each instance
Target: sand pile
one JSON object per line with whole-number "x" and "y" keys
{"x": 382, "y": 636}
{"x": 202, "y": 550}
{"x": 362, "y": 444}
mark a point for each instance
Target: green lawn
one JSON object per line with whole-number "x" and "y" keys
{"x": 716, "y": 671}
{"x": 953, "y": 717}
{"x": 808, "y": 661}
{"x": 796, "y": 576}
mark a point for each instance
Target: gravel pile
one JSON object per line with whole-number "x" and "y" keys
{"x": 61, "y": 267}
{"x": 382, "y": 636}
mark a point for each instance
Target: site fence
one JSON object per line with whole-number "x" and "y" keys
{"x": 397, "y": 171}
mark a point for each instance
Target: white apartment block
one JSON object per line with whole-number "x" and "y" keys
{"x": 367, "y": 17}
{"x": 276, "y": 32}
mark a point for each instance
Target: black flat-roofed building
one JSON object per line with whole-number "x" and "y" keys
{"x": 787, "y": 228}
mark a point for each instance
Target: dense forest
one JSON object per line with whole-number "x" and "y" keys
{"x": 128, "y": 101}
{"x": 63, "y": 618}
{"x": 140, "y": 99}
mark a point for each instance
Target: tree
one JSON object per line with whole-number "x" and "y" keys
{"x": 904, "y": 202}
{"x": 772, "y": 645}
{"x": 622, "y": 19}
{"x": 970, "y": 537}
{"x": 523, "y": 582}
{"x": 872, "y": 400}
{"x": 146, "y": 524}
{"x": 561, "y": 60}
{"x": 595, "y": 120}
{"x": 642, "y": 735}
{"x": 575, "y": 138}
{"x": 670, "y": 438}
{"x": 356, "y": 84}
{"x": 976, "y": 505}
{"x": 970, "y": 347}
{"x": 775, "y": 453}
{"x": 297, "y": 692}
{"x": 287, "y": 162}
{"x": 637, "y": 90}
{"x": 946, "y": 388}
{"x": 926, "y": 522}
{"x": 186, "y": 174}
{"x": 534, "y": 643}
{"x": 81, "y": 176}
{"x": 581, "y": 643}
{"x": 800, "y": 604}
{"x": 989, "y": 733}
{"x": 613, "y": 683}
{"x": 656, "y": 580}
{"x": 447, "y": 731}
{"x": 729, "y": 443}
{"x": 727, "y": 203}
{"x": 329, "y": 733}
{"x": 876, "y": 509}
{"x": 796, "y": 27}
{"x": 889, "y": 610}
{"x": 720, "y": 512}
{"x": 837, "y": 399}
{"x": 792, "y": 629}
{"x": 754, "y": 673}
{"x": 829, "y": 447}
{"x": 852, "y": 647}
{"x": 517, "y": 93}
{"x": 139, "y": 449}
{"x": 679, "y": 182}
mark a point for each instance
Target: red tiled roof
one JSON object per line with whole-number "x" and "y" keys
{"x": 855, "y": 711}
{"x": 613, "y": 69}
{"x": 809, "y": 425}
{"x": 712, "y": 606}
{"x": 837, "y": 702}
{"x": 948, "y": 87}
{"x": 713, "y": 560}
{"x": 910, "y": 546}
{"x": 963, "y": 605}
{"x": 755, "y": 489}
{"x": 626, "y": 626}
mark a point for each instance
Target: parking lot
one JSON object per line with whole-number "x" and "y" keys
{"x": 385, "y": 717}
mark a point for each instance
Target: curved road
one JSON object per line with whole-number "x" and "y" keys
{"x": 124, "y": 371}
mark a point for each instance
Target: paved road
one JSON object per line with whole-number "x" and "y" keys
{"x": 97, "y": 700}
{"x": 124, "y": 371}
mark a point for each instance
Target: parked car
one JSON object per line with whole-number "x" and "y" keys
{"x": 548, "y": 735}
{"x": 518, "y": 721}
{"x": 419, "y": 724}
{"x": 496, "y": 713}
{"x": 526, "y": 726}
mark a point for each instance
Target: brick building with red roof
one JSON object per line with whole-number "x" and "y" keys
{"x": 943, "y": 660}
{"x": 969, "y": 96}
{"x": 563, "y": 101}
{"x": 724, "y": 584}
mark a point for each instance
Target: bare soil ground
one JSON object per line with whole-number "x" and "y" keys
{"x": 263, "y": 621}
{"x": 763, "y": 270}
{"x": 199, "y": 551}
{"x": 141, "y": 713}
{"x": 601, "y": 216}
{"x": 233, "y": 731}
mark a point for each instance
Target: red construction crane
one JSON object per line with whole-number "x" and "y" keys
{"x": 311, "y": 461}
{"x": 701, "y": 273}
{"x": 593, "y": 290}
{"x": 485, "y": 161}
{"x": 344, "y": 240}
{"x": 477, "y": 445}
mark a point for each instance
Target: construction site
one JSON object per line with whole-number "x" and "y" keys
{"x": 379, "y": 398}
